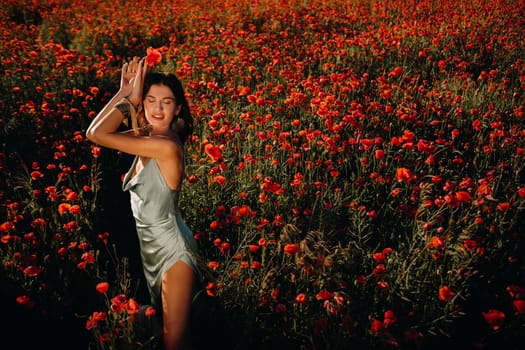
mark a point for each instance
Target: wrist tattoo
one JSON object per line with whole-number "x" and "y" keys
{"x": 128, "y": 111}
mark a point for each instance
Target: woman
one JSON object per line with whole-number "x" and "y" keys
{"x": 158, "y": 110}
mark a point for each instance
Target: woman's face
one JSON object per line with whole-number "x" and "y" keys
{"x": 160, "y": 107}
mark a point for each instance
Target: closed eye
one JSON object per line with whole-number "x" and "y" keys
{"x": 164, "y": 101}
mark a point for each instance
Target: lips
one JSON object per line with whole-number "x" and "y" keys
{"x": 157, "y": 116}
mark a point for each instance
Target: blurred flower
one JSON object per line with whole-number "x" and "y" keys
{"x": 7, "y": 226}
{"x": 463, "y": 197}
{"x": 503, "y": 207}
{"x": 214, "y": 265}
{"x": 445, "y": 293}
{"x": 25, "y": 300}
{"x": 377, "y": 326}
{"x": 324, "y": 295}
{"x": 404, "y": 175}
{"x": 225, "y": 247}
{"x": 300, "y": 298}
{"x": 153, "y": 56}
{"x": 94, "y": 319}
{"x": 379, "y": 271}
{"x": 280, "y": 308}
{"x": 519, "y": 305}
{"x": 38, "y": 223}
{"x": 379, "y": 257}
{"x": 291, "y": 248}
{"x": 515, "y": 291}
{"x": 494, "y": 318}
{"x": 150, "y": 311}
{"x": 436, "y": 242}
{"x": 32, "y": 271}
{"x": 214, "y": 152}
{"x": 254, "y": 248}
{"x": 102, "y": 287}
{"x": 220, "y": 180}
{"x": 35, "y": 175}
{"x": 389, "y": 318}
{"x": 118, "y": 303}
{"x": 132, "y": 306}
{"x": 63, "y": 208}
{"x": 211, "y": 289}
{"x": 75, "y": 209}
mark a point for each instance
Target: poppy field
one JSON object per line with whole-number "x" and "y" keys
{"x": 355, "y": 179}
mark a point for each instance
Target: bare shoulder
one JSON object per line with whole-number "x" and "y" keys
{"x": 169, "y": 148}
{"x": 171, "y": 163}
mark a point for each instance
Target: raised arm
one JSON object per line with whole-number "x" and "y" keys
{"x": 130, "y": 87}
{"x": 103, "y": 130}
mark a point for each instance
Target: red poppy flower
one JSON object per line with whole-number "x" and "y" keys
{"x": 404, "y": 175}
{"x": 503, "y": 207}
{"x": 24, "y": 300}
{"x": 150, "y": 311}
{"x": 380, "y": 271}
{"x": 291, "y": 249}
{"x": 379, "y": 257}
{"x": 132, "y": 306}
{"x": 390, "y": 318}
{"x": 214, "y": 265}
{"x": 463, "y": 196}
{"x": 33, "y": 271}
{"x": 211, "y": 289}
{"x": 244, "y": 210}
{"x": 253, "y": 248}
{"x": 88, "y": 257}
{"x": 225, "y": 247}
{"x": 494, "y": 318}
{"x": 75, "y": 209}
{"x": 63, "y": 208}
{"x": 7, "y": 227}
{"x": 445, "y": 293}
{"x": 519, "y": 304}
{"x": 153, "y": 56}
{"x": 219, "y": 179}
{"x": 436, "y": 242}
{"x": 35, "y": 175}
{"x": 377, "y": 326}
{"x": 102, "y": 287}
{"x": 214, "y": 152}
{"x": 300, "y": 298}
{"x": 515, "y": 291}
{"x": 324, "y": 295}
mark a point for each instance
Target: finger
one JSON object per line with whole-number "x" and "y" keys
{"x": 135, "y": 62}
{"x": 132, "y": 65}
{"x": 144, "y": 72}
{"x": 137, "y": 68}
{"x": 146, "y": 68}
{"x": 141, "y": 68}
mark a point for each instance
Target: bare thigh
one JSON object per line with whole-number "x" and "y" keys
{"x": 177, "y": 292}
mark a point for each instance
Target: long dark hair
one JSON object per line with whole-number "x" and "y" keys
{"x": 182, "y": 123}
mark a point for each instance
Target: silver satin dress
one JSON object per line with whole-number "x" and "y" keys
{"x": 164, "y": 237}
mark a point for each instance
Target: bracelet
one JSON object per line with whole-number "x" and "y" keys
{"x": 129, "y": 112}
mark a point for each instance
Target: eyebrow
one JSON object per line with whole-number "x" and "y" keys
{"x": 161, "y": 98}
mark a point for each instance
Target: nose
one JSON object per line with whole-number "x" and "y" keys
{"x": 157, "y": 106}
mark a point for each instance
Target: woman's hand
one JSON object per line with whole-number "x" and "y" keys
{"x": 140, "y": 69}
{"x": 132, "y": 79}
{"x": 127, "y": 75}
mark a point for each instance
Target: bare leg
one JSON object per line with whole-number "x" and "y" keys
{"x": 177, "y": 292}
